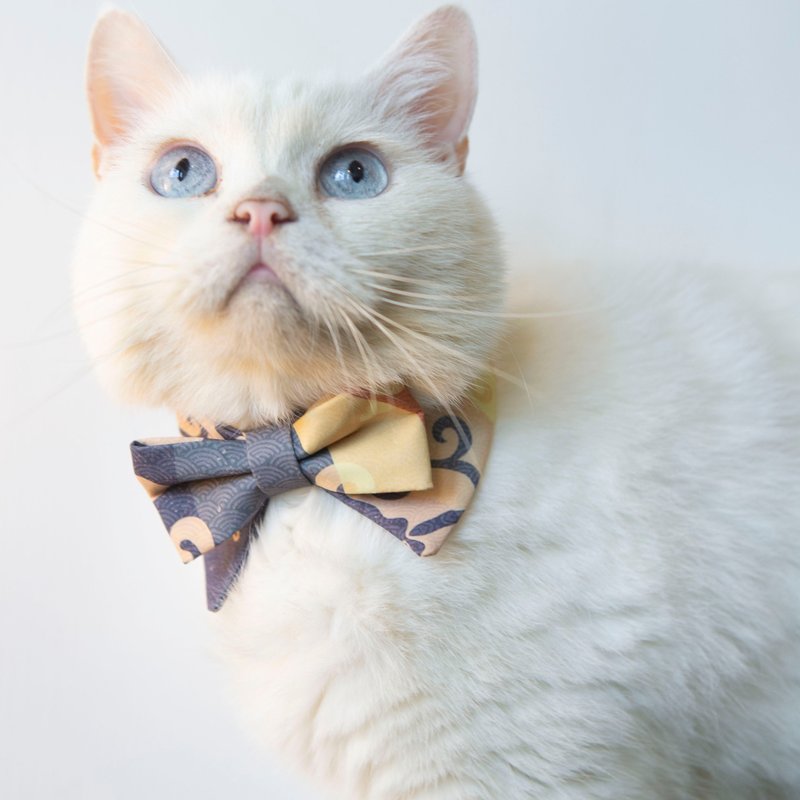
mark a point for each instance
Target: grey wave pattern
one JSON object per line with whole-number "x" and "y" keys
{"x": 178, "y": 462}
{"x": 441, "y": 521}
{"x": 224, "y": 564}
{"x": 397, "y": 526}
{"x": 299, "y": 450}
{"x": 271, "y": 457}
{"x": 311, "y": 463}
{"x": 224, "y": 504}
{"x": 225, "y": 431}
{"x": 228, "y": 431}
{"x": 463, "y": 444}
{"x": 177, "y": 502}
{"x": 189, "y": 547}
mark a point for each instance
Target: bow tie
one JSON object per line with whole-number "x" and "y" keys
{"x": 411, "y": 474}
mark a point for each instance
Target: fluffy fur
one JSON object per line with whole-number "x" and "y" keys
{"x": 617, "y": 614}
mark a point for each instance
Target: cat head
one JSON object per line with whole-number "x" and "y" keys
{"x": 252, "y": 246}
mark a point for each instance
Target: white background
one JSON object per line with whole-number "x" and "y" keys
{"x": 647, "y": 132}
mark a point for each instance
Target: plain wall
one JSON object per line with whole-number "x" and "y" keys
{"x": 642, "y": 132}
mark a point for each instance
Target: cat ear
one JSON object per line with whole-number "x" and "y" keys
{"x": 126, "y": 72}
{"x": 431, "y": 76}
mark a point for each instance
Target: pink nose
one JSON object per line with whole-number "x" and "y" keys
{"x": 262, "y": 216}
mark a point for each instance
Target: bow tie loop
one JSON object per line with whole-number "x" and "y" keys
{"x": 162, "y": 463}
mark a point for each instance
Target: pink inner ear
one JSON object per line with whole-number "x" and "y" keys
{"x": 431, "y": 74}
{"x": 457, "y": 95}
{"x": 127, "y": 70}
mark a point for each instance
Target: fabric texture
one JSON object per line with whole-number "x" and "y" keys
{"x": 410, "y": 473}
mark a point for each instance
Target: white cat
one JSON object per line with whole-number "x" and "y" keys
{"x": 618, "y": 613}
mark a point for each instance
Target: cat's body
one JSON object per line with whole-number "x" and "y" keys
{"x": 617, "y": 615}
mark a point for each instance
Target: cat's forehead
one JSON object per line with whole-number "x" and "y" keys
{"x": 274, "y": 123}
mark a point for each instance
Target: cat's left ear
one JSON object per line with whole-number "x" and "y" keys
{"x": 431, "y": 77}
{"x": 127, "y": 72}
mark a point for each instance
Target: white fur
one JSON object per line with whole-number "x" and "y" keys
{"x": 617, "y": 615}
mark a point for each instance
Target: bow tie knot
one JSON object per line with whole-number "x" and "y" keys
{"x": 273, "y": 460}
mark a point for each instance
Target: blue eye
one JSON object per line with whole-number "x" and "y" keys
{"x": 353, "y": 174}
{"x": 184, "y": 171}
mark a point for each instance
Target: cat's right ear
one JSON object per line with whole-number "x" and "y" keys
{"x": 127, "y": 71}
{"x": 430, "y": 78}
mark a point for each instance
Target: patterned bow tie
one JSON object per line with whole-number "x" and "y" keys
{"x": 410, "y": 475}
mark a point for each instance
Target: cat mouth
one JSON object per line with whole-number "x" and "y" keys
{"x": 260, "y": 277}
{"x": 261, "y": 272}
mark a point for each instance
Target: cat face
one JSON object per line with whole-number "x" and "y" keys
{"x": 252, "y": 247}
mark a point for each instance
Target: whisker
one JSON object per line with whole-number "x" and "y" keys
{"x": 417, "y": 335}
{"x": 420, "y": 248}
{"x": 468, "y": 361}
{"x": 144, "y": 262}
{"x": 337, "y": 346}
{"x": 24, "y": 176}
{"x": 148, "y": 231}
{"x": 489, "y": 314}
{"x": 47, "y": 400}
{"x": 116, "y": 290}
{"x": 362, "y": 346}
{"x": 82, "y": 214}
{"x": 508, "y": 377}
{"x": 441, "y": 400}
{"x": 74, "y": 330}
{"x": 113, "y": 278}
{"x": 371, "y": 273}
{"x": 370, "y": 316}
{"x": 315, "y": 331}
{"x": 521, "y": 375}
{"x": 73, "y": 380}
{"x": 125, "y": 235}
{"x": 71, "y": 301}
{"x": 419, "y": 295}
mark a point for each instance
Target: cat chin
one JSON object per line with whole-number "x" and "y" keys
{"x": 259, "y": 375}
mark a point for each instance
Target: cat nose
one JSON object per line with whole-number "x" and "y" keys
{"x": 263, "y": 216}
